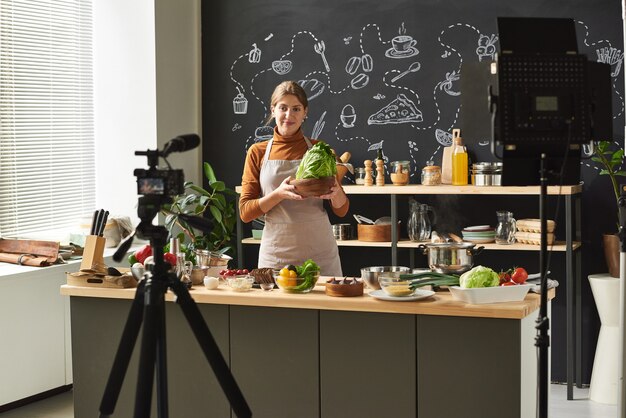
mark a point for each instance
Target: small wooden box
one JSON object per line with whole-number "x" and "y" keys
{"x": 91, "y": 280}
{"x": 375, "y": 233}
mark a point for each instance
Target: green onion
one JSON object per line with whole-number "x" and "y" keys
{"x": 430, "y": 279}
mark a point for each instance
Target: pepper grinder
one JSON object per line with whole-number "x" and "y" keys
{"x": 368, "y": 181}
{"x": 380, "y": 172}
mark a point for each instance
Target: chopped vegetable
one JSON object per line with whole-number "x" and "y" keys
{"x": 319, "y": 161}
{"x": 479, "y": 276}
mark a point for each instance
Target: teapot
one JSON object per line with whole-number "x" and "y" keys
{"x": 421, "y": 219}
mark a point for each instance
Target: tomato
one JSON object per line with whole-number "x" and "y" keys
{"x": 509, "y": 284}
{"x": 223, "y": 272}
{"x": 519, "y": 275}
{"x": 244, "y": 271}
{"x": 505, "y": 276}
{"x": 170, "y": 258}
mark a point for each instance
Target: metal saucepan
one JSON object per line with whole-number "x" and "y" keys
{"x": 451, "y": 257}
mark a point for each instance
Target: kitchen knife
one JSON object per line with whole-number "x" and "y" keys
{"x": 103, "y": 223}
{"x": 98, "y": 220}
{"x": 92, "y": 231}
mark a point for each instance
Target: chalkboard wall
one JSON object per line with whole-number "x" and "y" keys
{"x": 386, "y": 75}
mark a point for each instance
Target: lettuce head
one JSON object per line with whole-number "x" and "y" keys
{"x": 319, "y": 161}
{"x": 479, "y": 276}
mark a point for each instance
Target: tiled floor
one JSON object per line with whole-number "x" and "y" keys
{"x": 60, "y": 406}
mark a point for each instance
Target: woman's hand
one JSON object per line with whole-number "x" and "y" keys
{"x": 336, "y": 196}
{"x": 287, "y": 190}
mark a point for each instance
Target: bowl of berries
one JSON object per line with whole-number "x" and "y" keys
{"x": 225, "y": 274}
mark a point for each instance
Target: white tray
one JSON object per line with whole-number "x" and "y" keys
{"x": 478, "y": 295}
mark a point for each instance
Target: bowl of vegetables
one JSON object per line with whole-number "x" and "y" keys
{"x": 298, "y": 279}
{"x": 313, "y": 187}
{"x": 316, "y": 173}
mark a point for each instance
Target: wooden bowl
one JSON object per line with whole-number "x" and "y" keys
{"x": 345, "y": 289}
{"x": 314, "y": 187}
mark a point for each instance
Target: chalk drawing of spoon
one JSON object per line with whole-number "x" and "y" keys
{"x": 412, "y": 68}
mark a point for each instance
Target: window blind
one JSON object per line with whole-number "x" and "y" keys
{"x": 47, "y": 161}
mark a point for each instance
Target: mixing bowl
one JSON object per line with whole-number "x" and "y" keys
{"x": 296, "y": 284}
{"x": 370, "y": 274}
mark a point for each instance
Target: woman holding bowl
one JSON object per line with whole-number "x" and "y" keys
{"x": 296, "y": 228}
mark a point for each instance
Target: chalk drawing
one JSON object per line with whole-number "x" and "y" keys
{"x": 348, "y": 116}
{"x": 486, "y": 47}
{"x": 318, "y": 127}
{"x": 400, "y": 110}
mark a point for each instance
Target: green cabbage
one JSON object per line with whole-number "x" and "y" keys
{"x": 319, "y": 161}
{"x": 479, "y": 276}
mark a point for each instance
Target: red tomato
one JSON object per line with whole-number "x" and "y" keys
{"x": 519, "y": 275}
{"x": 504, "y": 277}
{"x": 244, "y": 271}
{"x": 223, "y": 272}
{"x": 509, "y": 284}
{"x": 170, "y": 258}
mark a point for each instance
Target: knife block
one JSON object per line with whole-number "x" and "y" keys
{"x": 93, "y": 254}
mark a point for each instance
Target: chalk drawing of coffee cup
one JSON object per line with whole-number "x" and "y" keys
{"x": 403, "y": 46}
{"x": 348, "y": 116}
{"x": 282, "y": 67}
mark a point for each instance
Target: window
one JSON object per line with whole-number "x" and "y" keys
{"x": 47, "y": 161}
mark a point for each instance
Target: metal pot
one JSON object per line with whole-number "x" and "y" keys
{"x": 370, "y": 275}
{"x": 451, "y": 257}
{"x": 211, "y": 258}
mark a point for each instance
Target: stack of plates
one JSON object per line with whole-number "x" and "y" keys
{"x": 480, "y": 234}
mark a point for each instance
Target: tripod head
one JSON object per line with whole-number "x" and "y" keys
{"x": 156, "y": 188}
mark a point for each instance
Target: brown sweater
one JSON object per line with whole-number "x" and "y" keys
{"x": 284, "y": 148}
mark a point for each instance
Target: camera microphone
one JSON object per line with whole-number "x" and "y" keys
{"x": 181, "y": 143}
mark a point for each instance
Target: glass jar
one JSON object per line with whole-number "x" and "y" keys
{"x": 359, "y": 175}
{"x": 431, "y": 175}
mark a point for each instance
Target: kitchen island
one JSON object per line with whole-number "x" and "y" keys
{"x": 311, "y": 355}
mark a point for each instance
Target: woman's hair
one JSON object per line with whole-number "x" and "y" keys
{"x": 283, "y": 89}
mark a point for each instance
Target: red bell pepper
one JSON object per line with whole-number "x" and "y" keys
{"x": 143, "y": 253}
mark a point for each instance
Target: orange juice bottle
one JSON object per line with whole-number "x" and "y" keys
{"x": 459, "y": 162}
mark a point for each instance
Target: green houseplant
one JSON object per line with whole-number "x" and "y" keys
{"x": 611, "y": 158}
{"x": 216, "y": 203}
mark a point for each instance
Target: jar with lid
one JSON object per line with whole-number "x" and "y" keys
{"x": 400, "y": 172}
{"x": 359, "y": 175}
{"x": 431, "y": 175}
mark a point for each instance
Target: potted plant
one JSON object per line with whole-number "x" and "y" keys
{"x": 216, "y": 204}
{"x": 611, "y": 161}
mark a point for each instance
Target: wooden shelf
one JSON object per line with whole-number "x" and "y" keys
{"x": 559, "y": 246}
{"x": 418, "y": 189}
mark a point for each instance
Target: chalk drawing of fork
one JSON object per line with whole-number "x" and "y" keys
{"x": 320, "y": 48}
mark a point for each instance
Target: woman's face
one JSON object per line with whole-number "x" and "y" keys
{"x": 289, "y": 114}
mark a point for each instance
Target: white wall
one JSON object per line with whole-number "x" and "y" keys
{"x": 147, "y": 91}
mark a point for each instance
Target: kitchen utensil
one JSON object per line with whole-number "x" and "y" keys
{"x": 211, "y": 258}
{"x": 412, "y": 68}
{"x": 506, "y": 228}
{"x": 395, "y": 286}
{"x": 363, "y": 220}
{"x": 99, "y": 215}
{"x": 320, "y": 48}
{"x": 348, "y": 166}
{"x": 450, "y": 257}
{"x": 103, "y": 223}
{"x": 370, "y": 275}
{"x": 94, "y": 220}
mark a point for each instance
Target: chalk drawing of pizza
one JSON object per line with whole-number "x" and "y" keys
{"x": 399, "y": 110}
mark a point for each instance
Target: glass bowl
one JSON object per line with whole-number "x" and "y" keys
{"x": 297, "y": 284}
{"x": 395, "y": 286}
{"x": 241, "y": 283}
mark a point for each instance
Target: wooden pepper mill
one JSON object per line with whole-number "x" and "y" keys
{"x": 380, "y": 169}
{"x": 369, "y": 180}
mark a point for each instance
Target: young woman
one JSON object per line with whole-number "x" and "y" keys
{"x": 296, "y": 228}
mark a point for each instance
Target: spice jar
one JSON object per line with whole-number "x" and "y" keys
{"x": 431, "y": 175}
{"x": 359, "y": 175}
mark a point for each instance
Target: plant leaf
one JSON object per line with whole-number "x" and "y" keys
{"x": 209, "y": 173}
{"x": 218, "y": 186}
{"x": 216, "y": 214}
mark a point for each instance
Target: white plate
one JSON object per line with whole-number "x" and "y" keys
{"x": 417, "y": 295}
{"x": 478, "y": 295}
{"x": 478, "y": 228}
{"x": 479, "y": 240}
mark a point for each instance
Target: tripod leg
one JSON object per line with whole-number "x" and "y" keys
{"x": 210, "y": 349}
{"x": 161, "y": 365}
{"x": 124, "y": 353}
{"x": 145, "y": 379}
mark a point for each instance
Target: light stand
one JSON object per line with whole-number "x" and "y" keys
{"x": 149, "y": 304}
{"x": 621, "y": 363}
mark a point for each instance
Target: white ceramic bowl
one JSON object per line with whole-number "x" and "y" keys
{"x": 478, "y": 295}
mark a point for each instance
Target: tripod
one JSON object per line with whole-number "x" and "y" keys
{"x": 149, "y": 307}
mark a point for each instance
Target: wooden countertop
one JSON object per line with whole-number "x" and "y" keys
{"x": 442, "y": 303}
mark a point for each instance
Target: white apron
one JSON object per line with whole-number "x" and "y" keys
{"x": 295, "y": 230}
